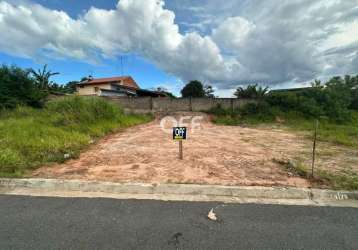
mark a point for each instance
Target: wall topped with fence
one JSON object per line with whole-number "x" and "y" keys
{"x": 161, "y": 104}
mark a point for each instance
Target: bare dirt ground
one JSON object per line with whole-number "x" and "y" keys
{"x": 226, "y": 155}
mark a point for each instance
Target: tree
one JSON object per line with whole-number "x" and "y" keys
{"x": 86, "y": 78}
{"x": 17, "y": 87}
{"x": 317, "y": 84}
{"x": 70, "y": 87}
{"x": 164, "y": 91}
{"x": 193, "y": 89}
{"x": 209, "y": 91}
{"x": 339, "y": 97}
{"x": 251, "y": 92}
{"x": 42, "y": 77}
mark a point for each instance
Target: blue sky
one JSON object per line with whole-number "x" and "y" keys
{"x": 144, "y": 72}
{"x": 167, "y": 43}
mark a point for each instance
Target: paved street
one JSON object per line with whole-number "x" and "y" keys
{"x": 81, "y": 223}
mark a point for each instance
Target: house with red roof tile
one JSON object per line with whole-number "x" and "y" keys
{"x": 114, "y": 86}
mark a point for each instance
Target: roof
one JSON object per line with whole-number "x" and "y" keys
{"x": 145, "y": 92}
{"x": 118, "y": 91}
{"x": 126, "y": 81}
{"x": 291, "y": 89}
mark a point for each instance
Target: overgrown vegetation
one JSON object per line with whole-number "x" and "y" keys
{"x": 17, "y": 87}
{"x": 32, "y": 137}
{"x": 334, "y": 104}
{"x": 42, "y": 80}
{"x": 339, "y": 133}
{"x": 28, "y": 87}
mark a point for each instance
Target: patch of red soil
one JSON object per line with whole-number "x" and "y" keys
{"x": 225, "y": 155}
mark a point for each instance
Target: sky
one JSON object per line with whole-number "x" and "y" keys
{"x": 276, "y": 43}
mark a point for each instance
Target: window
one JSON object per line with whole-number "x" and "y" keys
{"x": 96, "y": 89}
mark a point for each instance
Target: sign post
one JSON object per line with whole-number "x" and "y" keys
{"x": 181, "y": 150}
{"x": 314, "y": 147}
{"x": 179, "y": 134}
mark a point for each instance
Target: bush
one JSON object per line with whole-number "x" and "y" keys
{"x": 220, "y": 111}
{"x": 33, "y": 137}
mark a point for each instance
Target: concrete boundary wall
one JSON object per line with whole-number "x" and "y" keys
{"x": 161, "y": 104}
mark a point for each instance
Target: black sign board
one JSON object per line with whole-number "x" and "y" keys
{"x": 179, "y": 133}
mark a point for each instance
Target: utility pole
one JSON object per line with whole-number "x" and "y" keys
{"x": 121, "y": 58}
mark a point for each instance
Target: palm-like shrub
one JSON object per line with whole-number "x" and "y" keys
{"x": 42, "y": 77}
{"x": 251, "y": 92}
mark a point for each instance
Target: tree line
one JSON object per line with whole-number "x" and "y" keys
{"x": 333, "y": 99}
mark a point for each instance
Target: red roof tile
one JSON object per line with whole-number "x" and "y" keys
{"x": 126, "y": 81}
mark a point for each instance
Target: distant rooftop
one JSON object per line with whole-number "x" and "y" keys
{"x": 290, "y": 90}
{"x": 126, "y": 81}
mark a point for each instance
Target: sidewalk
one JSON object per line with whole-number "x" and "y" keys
{"x": 179, "y": 192}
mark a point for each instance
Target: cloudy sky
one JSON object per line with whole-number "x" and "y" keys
{"x": 167, "y": 43}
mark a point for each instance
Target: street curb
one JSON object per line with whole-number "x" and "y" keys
{"x": 161, "y": 191}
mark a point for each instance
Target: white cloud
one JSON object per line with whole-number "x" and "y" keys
{"x": 232, "y": 33}
{"x": 270, "y": 42}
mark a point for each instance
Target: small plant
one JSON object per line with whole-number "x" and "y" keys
{"x": 297, "y": 168}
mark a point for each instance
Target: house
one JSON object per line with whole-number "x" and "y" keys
{"x": 114, "y": 86}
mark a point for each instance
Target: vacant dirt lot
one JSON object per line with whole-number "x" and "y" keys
{"x": 213, "y": 154}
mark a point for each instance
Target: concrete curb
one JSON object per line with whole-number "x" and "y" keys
{"x": 78, "y": 188}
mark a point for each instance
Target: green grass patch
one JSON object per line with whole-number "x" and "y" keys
{"x": 31, "y": 137}
{"x": 343, "y": 134}
{"x": 338, "y": 133}
{"x": 346, "y": 180}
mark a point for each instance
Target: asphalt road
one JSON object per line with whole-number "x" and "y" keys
{"x": 81, "y": 223}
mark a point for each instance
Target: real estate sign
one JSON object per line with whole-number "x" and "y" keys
{"x": 179, "y": 133}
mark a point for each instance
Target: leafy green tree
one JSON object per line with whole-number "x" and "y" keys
{"x": 338, "y": 98}
{"x": 193, "y": 89}
{"x": 17, "y": 87}
{"x": 42, "y": 77}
